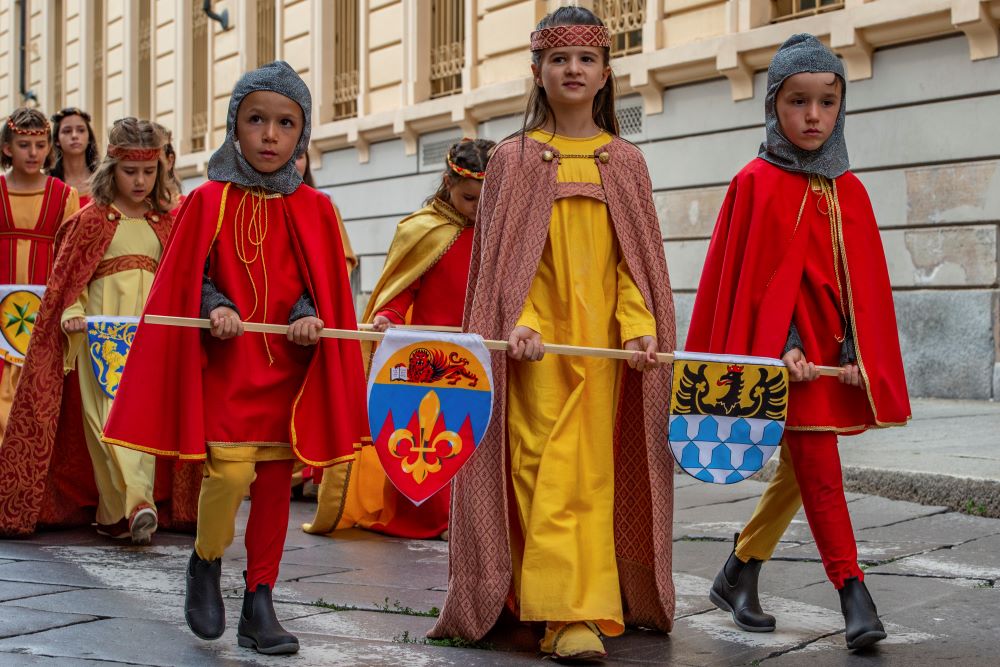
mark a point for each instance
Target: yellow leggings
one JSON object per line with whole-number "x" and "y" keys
{"x": 223, "y": 488}
{"x": 780, "y": 502}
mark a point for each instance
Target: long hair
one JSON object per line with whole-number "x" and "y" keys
{"x": 471, "y": 154}
{"x": 168, "y": 151}
{"x": 92, "y": 156}
{"x": 24, "y": 118}
{"x": 307, "y": 175}
{"x": 538, "y": 112}
{"x": 132, "y": 133}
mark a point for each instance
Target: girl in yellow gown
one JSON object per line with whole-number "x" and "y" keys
{"x": 570, "y": 193}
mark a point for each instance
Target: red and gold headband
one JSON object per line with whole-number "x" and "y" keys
{"x": 133, "y": 154}
{"x": 30, "y": 132}
{"x": 570, "y": 35}
{"x": 465, "y": 173}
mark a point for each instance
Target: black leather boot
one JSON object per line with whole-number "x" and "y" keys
{"x": 735, "y": 590}
{"x": 203, "y": 608}
{"x": 860, "y": 615}
{"x": 259, "y": 627}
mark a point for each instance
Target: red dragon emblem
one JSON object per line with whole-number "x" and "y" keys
{"x": 428, "y": 365}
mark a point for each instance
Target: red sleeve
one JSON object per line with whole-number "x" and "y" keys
{"x": 397, "y": 308}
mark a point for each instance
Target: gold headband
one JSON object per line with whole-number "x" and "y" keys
{"x": 30, "y": 132}
{"x": 133, "y": 154}
{"x": 463, "y": 172}
{"x": 570, "y": 35}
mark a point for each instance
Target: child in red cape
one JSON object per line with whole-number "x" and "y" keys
{"x": 53, "y": 466}
{"x": 252, "y": 244}
{"x": 795, "y": 270}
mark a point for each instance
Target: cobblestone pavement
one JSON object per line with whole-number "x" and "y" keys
{"x": 71, "y": 598}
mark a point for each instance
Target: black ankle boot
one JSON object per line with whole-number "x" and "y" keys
{"x": 259, "y": 627}
{"x": 860, "y": 615}
{"x": 735, "y": 590}
{"x": 203, "y": 608}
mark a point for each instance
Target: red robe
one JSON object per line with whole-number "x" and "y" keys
{"x": 771, "y": 261}
{"x": 46, "y": 475}
{"x": 436, "y": 298}
{"x": 179, "y": 371}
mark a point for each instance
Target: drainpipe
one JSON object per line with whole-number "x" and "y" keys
{"x": 26, "y": 94}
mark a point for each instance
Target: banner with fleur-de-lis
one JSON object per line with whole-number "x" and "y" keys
{"x": 430, "y": 397}
{"x": 18, "y": 311}
{"x": 109, "y": 340}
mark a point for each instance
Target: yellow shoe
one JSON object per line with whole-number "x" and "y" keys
{"x": 573, "y": 642}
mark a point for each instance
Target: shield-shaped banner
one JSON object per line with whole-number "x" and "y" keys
{"x": 430, "y": 397}
{"x": 18, "y": 312}
{"x": 109, "y": 340}
{"x": 727, "y": 414}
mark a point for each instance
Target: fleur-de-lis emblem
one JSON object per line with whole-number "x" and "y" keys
{"x": 421, "y": 457}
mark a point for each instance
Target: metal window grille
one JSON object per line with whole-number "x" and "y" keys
{"x": 783, "y": 10}
{"x": 265, "y": 31}
{"x": 145, "y": 61}
{"x": 447, "y": 46}
{"x": 624, "y": 19}
{"x": 58, "y": 52}
{"x": 345, "y": 60}
{"x": 199, "y": 77}
{"x": 630, "y": 119}
{"x": 432, "y": 152}
{"x": 97, "y": 113}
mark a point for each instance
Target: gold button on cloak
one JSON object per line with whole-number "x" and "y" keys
{"x": 604, "y": 157}
{"x": 548, "y": 156}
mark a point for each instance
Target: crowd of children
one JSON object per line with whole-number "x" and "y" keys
{"x": 564, "y": 517}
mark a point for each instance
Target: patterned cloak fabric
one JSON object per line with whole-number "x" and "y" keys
{"x": 46, "y": 474}
{"x": 166, "y": 417}
{"x": 511, "y": 232}
{"x": 764, "y": 242}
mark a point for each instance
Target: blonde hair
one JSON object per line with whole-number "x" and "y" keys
{"x": 131, "y": 133}
{"x": 25, "y": 118}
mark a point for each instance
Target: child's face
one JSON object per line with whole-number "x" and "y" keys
{"x": 135, "y": 179}
{"x": 808, "y": 105}
{"x": 571, "y": 75}
{"x": 463, "y": 194}
{"x": 27, "y": 153}
{"x": 268, "y": 126}
{"x": 73, "y": 135}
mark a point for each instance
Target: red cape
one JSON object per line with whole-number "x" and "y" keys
{"x": 160, "y": 404}
{"x": 46, "y": 476}
{"x": 751, "y": 283}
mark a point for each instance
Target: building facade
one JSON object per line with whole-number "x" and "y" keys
{"x": 396, "y": 81}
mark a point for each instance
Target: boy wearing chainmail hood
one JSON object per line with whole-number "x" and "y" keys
{"x": 253, "y": 244}
{"x": 795, "y": 269}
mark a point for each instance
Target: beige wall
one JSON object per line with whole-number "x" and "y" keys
{"x": 684, "y": 41}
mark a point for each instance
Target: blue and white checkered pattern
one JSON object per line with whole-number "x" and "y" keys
{"x": 723, "y": 450}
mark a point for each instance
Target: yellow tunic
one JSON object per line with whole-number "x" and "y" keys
{"x": 561, "y": 410}
{"x": 124, "y": 476}
{"x": 25, "y": 208}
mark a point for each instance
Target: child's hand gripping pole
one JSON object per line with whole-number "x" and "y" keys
{"x": 375, "y": 336}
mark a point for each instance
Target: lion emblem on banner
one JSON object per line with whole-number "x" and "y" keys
{"x": 427, "y": 366}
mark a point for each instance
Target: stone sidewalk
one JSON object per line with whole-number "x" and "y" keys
{"x": 71, "y": 598}
{"x": 949, "y": 455}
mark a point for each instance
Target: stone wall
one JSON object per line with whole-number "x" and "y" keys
{"x": 923, "y": 137}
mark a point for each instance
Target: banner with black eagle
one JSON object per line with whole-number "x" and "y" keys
{"x": 727, "y": 414}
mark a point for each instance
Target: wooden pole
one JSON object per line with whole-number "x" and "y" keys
{"x": 376, "y": 336}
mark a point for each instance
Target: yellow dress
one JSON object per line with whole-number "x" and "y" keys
{"x": 124, "y": 476}
{"x": 561, "y": 410}
{"x": 25, "y": 208}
